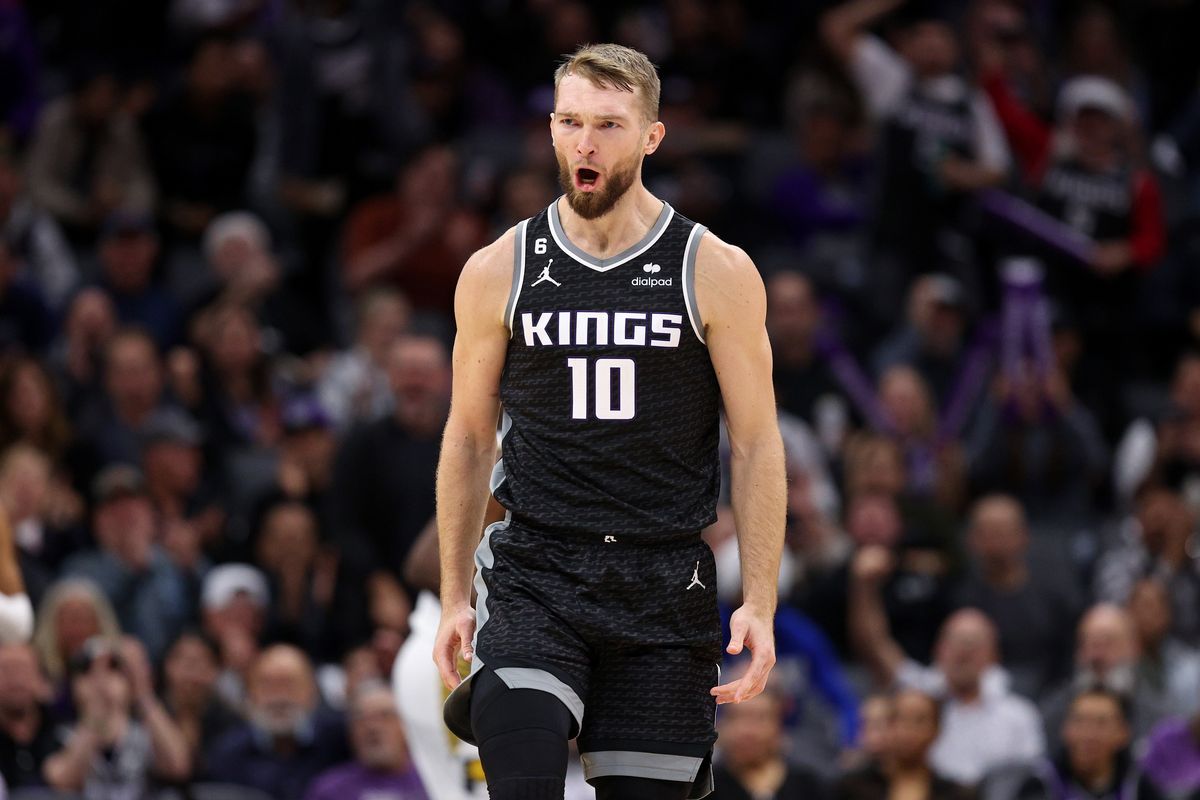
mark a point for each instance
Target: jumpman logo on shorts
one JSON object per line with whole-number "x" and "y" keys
{"x": 545, "y": 276}
{"x": 696, "y": 578}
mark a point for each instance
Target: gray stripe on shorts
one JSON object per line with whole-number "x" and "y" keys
{"x": 484, "y": 559}
{"x": 540, "y": 679}
{"x": 640, "y": 765}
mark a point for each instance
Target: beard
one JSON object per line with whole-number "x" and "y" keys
{"x": 592, "y": 205}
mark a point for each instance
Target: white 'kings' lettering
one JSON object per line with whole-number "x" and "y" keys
{"x": 622, "y": 328}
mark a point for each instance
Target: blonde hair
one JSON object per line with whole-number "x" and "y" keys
{"x": 614, "y": 66}
{"x": 45, "y": 636}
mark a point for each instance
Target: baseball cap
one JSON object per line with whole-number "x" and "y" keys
{"x": 1095, "y": 92}
{"x": 171, "y": 425}
{"x": 117, "y": 480}
{"x": 224, "y": 583}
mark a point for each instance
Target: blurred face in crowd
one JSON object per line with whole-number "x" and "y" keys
{"x": 384, "y": 320}
{"x": 935, "y": 312}
{"x": 1185, "y": 385}
{"x": 600, "y": 137}
{"x": 431, "y": 178}
{"x": 133, "y": 373}
{"x": 128, "y": 259}
{"x": 793, "y": 315}
{"x": 752, "y": 732}
{"x": 873, "y": 520}
{"x": 1165, "y": 520}
{"x": 91, "y": 319}
{"x": 125, "y": 526}
{"x": 1094, "y": 732}
{"x": 172, "y": 464}
{"x": 289, "y": 538}
{"x": 824, "y": 136}
{"x": 29, "y": 401}
{"x": 998, "y": 536}
{"x": 930, "y": 46}
{"x": 282, "y": 691}
{"x": 21, "y": 681}
{"x": 1097, "y": 136}
{"x": 875, "y": 713}
{"x": 234, "y": 341}
{"x": 419, "y": 374}
{"x": 912, "y": 727}
{"x": 1150, "y": 608}
{"x": 103, "y": 683}
{"x": 241, "y": 618}
{"x": 1107, "y": 640}
{"x": 212, "y": 71}
{"x": 97, "y": 99}
{"x": 361, "y": 667}
{"x": 375, "y": 730}
{"x": 966, "y": 648}
{"x": 191, "y": 670}
{"x": 75, "y": 621}
{"x": 24, "y": 483}
{"x": 906, "y": 402}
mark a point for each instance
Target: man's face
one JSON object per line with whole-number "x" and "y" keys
{"x": 376, "y": 733}
{"x": 133, "y": 374}
{"x": 912, "y": 726}
{"x": 190, "y": 668}
{"x": 792, "y": 312}
{"x": 600, "y": 137}
{"x": 76, "y": 622}
{"x": 930, "y": 47}
{"x": 1106, "y": 642}
{"x": 998, "y": 533}
{"x": 128, "y": 259}
{"x": 1094, "y": 731}
{"x": 177, "y": 464}
{"x": 281, "y": 693}
{"x": 125, "y": 524}
{"x": 751, "y": 732}
{"x": 419, "y": 374}
{"x": 21, "y": 682}
{"x": 964, "y": 651}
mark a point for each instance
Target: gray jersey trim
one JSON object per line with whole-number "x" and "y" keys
{"x": 640, "y": 765}
{"x": 484, "y": 559}
{"x": 540, "y": 679}
{"x": 605, "y": 264}
{"x": 689, "y": 279}
{"x": 518, "y": 278}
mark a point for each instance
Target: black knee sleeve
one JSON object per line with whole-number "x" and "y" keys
{"x": 522, "y": 736}
{"x": 623, "y": 787}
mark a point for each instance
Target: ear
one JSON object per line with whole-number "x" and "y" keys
{"x": 654, "y": 137}
{"x": 552, "y": 126}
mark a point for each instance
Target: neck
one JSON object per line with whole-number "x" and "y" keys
{"x": 1094, "y": 776}
{"x": 624, "y": 224}
{"x": 904, "y": 768}
{"x": 763, "y": 777}
{"x": 1006, "y": 575}
{"x": 966, "y": 694}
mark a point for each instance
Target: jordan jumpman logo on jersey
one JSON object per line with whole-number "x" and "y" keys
{"x": 696, "y": 578}
{"x": 545, "y": 276}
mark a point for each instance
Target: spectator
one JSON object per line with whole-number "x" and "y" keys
{"x": 27, "y": 729}
{"x": 129, "y": 249}
{"x": 1155, "y": 543}
{"x": 235, "y": 598}
{"x": 31, "y": 412}
{"x": 983, "y": 723}
{"x": 1096, "y": 762}
{"x": 190, "y": 671}
{"x": 354, "y": 387}
{"x": 87, "y": 159}
{"x": 1172, "y": 756}
{"x": 934, "y": 466}
{"x": 1035, "y": 441}
{"x": 36, "y": 241}
{"x": 133, "y": 390}
{"x": 288, "y": 741}
{"x": 78, "y": 355}
{"x": 1107, "y": 655}
{"x": 940, "y": 136}
{"x": 416, "y": 239}
{"x": 72, "y": 612}
{"x": 202, "y": 139}
{"x": 152, "y": 594}
{"x": 16, "y": 612}
{"x": 932, "y": 340}
{"x": 912, "y": 728}
{"x": 804, "y": 384}
{"x": 124, "y": 736}
{"x": 381, "y": 765}
{"x": 752, "y": 763}
{"x": 1030, "y": 605}
{"x": 239, "y": 407}
{"x": 240, "y": 268}
{"x": 1165, "y": 661}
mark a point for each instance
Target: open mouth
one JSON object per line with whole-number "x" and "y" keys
{"x": 586, "y": 178}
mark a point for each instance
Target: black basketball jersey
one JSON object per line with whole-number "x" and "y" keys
{"x": 610, "y": 400}
{"x": 1097, "y": 204}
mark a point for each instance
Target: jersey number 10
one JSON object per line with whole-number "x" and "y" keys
{"x": 606, "y": 369}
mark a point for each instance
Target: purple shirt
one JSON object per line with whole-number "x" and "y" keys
{"x": 355, "y": 782}
{"x": 1172, "y": 757}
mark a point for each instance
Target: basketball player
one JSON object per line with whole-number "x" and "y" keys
{"x": 610, "y": 330}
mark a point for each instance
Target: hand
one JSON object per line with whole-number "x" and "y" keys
{"x": 872, "y": 564}
{"x": 137, "y": 668}
{"x": 1111, "y": 258}
{"x": 455, "y": 634}
{"x": 751, "y": 628}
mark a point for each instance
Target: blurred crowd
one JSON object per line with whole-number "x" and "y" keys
{"x": 230, "y": 232}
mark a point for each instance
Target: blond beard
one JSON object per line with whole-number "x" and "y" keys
{"x": 592, "y": 205}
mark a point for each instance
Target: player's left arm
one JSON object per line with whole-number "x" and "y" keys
{"x": 733, "y": 305}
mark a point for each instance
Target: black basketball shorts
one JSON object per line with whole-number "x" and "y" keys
{"x": 623, "y": 629}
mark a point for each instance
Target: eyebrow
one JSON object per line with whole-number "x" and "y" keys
{"x": 600, "y": 116}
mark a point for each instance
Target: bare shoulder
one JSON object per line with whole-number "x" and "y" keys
{"x": 486, "y": 280}
{"x": 727, "y": 281}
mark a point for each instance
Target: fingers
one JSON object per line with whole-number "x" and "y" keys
{"x": 447, "y": 664}
{"x": 737, "y": 636}
{"x": 466, "y": 634}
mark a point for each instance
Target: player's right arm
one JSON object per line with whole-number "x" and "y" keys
{"x": 469, "y": 442}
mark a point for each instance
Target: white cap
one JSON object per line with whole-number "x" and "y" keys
{"x": 1093, "y": 91}
{"x": 225, "y": 582}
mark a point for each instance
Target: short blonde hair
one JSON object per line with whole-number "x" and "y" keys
{"x": 617, "y": 67}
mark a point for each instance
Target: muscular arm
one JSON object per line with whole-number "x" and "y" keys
{"x": 469, "y": 442}
{"x": 732, "y": 304}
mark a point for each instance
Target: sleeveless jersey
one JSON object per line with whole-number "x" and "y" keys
{"x": 610, "y": 400}
{"x": 1097, "y": 204}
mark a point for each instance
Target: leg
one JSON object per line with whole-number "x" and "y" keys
{"x": 522, "y": 735}
{"x": 622, "y": 787}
